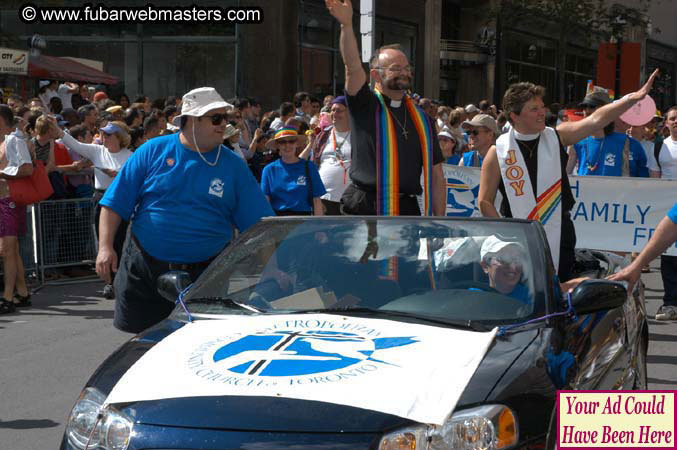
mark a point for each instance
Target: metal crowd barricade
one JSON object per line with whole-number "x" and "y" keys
{"x": 65, "y": 236}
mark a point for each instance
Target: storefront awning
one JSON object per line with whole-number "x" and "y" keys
{"x": 56, "y": 68}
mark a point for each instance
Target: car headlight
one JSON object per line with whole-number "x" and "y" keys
{"x": 93, "y": 427}
{"x": 488, "y": 427}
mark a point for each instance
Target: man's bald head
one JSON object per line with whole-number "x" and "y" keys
{"x": 386, "y": 55}
{"x": 390, "y": 68}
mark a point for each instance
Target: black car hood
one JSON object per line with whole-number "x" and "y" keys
{"x": 284, "y": 414}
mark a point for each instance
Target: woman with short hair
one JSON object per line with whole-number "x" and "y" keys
{"x": 292, "y": 186}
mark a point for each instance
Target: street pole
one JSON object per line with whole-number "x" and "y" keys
{"x": 367, "y": 29}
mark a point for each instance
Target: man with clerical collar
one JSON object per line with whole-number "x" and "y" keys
{"x": 392, "y": 139}
{"x": 528, "y": 166}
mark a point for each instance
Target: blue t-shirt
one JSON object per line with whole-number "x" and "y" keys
{"x": 453, "y": 159}
{"x": 287, "y": 187}
{"x": 521, "y": 293}
{"x": 469, "y": 159}
{"x": 183, "y": 208}
{"x": 604, "y": 156}
{"x": 672, "y": 214}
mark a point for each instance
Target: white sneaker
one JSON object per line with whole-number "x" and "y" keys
{"x": 667, "y": 312}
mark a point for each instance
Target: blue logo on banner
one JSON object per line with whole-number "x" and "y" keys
{"x": 293, "y": 353}
{"x": 461, "y": 199}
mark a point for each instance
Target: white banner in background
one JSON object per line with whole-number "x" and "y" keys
{"x": 413, "y": 371}
{"x": 611, "y": 213}
{"x": 13, "y": 62}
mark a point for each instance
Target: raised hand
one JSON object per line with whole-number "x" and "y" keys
{"x": 342, "y": 10}
{"x": 644, "y": 90}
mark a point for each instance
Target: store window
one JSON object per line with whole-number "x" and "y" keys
{"x": 320, "y": 68}
{"x": 154, "y": 59}
{"x": 171, "y": 68}
{"x": 534, "y": 59}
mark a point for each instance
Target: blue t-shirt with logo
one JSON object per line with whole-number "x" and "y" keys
{"x": 287, "y": 187}
{"x": 184, "y": 209}
{"x": 672, "y": 214}
{"x": 604, "y": 156}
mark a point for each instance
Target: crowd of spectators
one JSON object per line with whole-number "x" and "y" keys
{"x": 102, "y": 133}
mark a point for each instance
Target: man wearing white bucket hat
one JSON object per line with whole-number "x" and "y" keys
{"x": 186, "y": 191}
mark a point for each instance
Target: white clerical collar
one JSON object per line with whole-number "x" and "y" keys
{"x": 525, "y": 137}
{"x": 395, "y": 103}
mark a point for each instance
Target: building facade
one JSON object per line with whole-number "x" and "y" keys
{"x": 461, "y": 50}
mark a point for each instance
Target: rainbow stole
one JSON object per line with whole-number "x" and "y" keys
{"x": 387, "y": 158}
{"x": 547, "y": 203}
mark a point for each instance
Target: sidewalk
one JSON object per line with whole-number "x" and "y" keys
{"x": 662, "y": 357}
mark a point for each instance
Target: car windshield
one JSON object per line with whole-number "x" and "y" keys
{"x": 445, "y": 270}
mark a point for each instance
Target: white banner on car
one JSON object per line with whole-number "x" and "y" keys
{"x": 409, "y": 370}
{"x": 611, "y": 213}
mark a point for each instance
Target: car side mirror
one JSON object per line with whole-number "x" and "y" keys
{"x": 171, "y": 284}
{"x": 593, "y": 296}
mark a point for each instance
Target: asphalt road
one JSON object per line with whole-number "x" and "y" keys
{"x": 48, "y": 352}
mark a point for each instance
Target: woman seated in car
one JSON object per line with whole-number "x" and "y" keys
{"x": 503, "y": 262}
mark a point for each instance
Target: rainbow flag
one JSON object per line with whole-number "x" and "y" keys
{"x": 387, "y": 157}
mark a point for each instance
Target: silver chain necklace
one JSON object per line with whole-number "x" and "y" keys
{"x": 405, "y": 133}
{"x": 218, "y": 154}
{"x": 205, "y": 159}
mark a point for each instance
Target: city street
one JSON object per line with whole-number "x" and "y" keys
{"x": 50, "y": 350}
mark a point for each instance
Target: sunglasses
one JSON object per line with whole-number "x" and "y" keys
{"x": 217, "y": 119}
{"x": 475, "y": 132}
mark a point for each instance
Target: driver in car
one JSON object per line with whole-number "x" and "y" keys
{"x": 503, "y": 262}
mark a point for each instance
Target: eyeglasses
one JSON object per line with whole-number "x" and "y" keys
{"x": 475, "y": 132}
{"x": 398, "y": 69}
{"x": 217, "y": 119}
{"x": 508, "y": 261}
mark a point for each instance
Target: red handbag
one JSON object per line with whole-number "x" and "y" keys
{"x": 32, "y": 189}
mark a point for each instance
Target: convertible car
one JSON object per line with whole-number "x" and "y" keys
{"x": 368, "y": 333}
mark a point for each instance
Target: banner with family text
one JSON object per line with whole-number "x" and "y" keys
{"x": 611, "y": 213}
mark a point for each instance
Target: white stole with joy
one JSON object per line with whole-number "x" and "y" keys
{"x": 546, "y": 207}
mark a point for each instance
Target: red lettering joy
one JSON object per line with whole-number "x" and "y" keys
{"x": 514, "y": 173}
{"x": 518, "y": 186}
{"x": 512, "y": 158}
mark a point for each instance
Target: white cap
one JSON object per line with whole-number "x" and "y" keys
{"x": 199, "y": 102}
{"x": 470, "y": 108}
{"x": 230, "y": 131}
{"x": 44, "y": 83}
{"x": 446, "y": 132}
{"x": 493, "y": 245}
